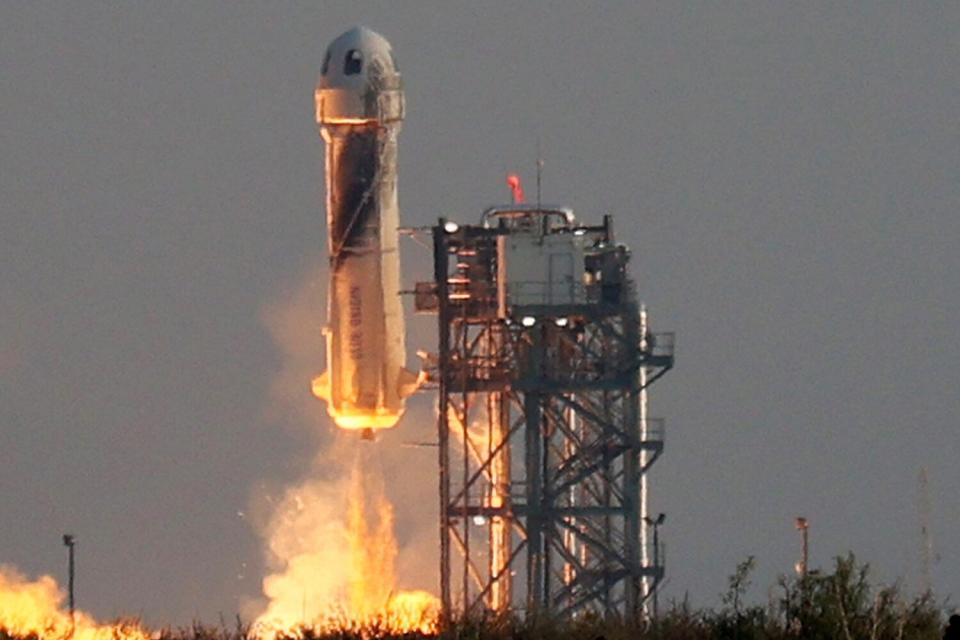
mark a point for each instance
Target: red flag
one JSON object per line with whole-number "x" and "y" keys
{"x": 513, "y": 180}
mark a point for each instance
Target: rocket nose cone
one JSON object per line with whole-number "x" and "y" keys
{"x": 355, "y": 58}
{"x": 359, "y": 80}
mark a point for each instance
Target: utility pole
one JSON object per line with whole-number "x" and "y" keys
{"x": 70, "y": 543}
{"x": 803, "y": 527}
{"x": 655, "y": 524}
{"x": 926, "y": 542}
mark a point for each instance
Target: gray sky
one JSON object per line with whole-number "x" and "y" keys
{"x": 786, "y": 174}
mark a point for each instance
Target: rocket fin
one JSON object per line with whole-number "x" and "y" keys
{"x": 321, "y": 386}
{"x": 409, "y": 382}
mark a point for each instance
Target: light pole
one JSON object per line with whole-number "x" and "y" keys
{"x": 70, "y": 542}
{"x": 803, "y": 527}
{"x": 655, "y": 523}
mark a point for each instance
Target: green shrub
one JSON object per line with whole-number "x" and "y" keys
{"x": 841, "y": 605}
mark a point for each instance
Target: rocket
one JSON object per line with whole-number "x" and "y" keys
{"x": 359, "y": 107}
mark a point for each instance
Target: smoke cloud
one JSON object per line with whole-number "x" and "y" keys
{"x": 351, "y": 540}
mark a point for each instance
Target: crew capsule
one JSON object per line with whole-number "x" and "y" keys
{"x": 359, "y": 81}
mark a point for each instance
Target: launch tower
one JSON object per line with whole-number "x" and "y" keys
{"x": 544, "y": 360}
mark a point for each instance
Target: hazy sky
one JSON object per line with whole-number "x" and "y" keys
{"x": 787, "y": 175}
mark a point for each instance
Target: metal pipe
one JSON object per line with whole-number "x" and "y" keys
{"x": 443, "y": 426}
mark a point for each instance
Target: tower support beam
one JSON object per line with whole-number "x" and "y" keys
{"x": 544, "y": 439}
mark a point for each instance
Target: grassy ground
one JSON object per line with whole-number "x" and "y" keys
{"x": 841, "y": 605}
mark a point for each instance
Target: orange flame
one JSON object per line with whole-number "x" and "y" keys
{"x": 35, "y": 608}
{"x": 339, "y": 571}
{"x": 373, "y": 554}
{"x": 329, "y": 537}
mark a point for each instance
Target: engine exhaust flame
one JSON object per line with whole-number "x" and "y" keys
{"x": 333, "y": 558}
{"x": 35, "y": 608}
{"x": 336, "y": 552}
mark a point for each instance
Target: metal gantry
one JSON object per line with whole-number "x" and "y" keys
{"x": 543, "y": 439}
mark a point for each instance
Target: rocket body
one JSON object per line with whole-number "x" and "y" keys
{"x": 360, "y": 105}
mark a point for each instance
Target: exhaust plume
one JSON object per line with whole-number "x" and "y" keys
{"x": 332, "y": 543}
{"x": 329, "y": 537}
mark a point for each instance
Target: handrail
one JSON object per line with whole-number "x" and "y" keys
{"x": 522, "y": 210}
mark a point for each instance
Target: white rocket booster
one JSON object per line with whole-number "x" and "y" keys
{"x": 360, "y": 107}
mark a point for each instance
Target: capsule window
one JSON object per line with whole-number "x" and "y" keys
{"x": 326, "y": 64}
{"x": 353, "y": 63}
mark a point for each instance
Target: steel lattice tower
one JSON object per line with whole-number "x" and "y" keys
{"x": 543, "y": 360}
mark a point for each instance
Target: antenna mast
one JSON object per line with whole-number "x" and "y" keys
{"x": 926, "y": 542}
{"x": 539, "y": 173}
